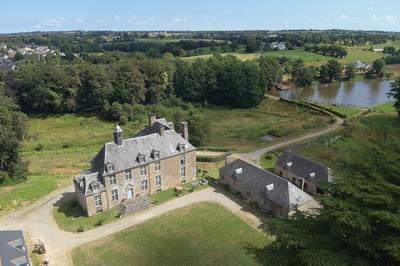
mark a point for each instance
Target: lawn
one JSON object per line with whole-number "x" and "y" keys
{"x": 201, "y": 234}
{"x": 385, "y": 108}
{"x": 347, "y": 111}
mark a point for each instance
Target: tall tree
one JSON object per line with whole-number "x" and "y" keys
{"x": 395, "y": 93}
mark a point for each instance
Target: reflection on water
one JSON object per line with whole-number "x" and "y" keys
{"x": 361, "y": 93}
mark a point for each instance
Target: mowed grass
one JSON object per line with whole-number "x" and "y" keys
{"x": 385, "y": 108}
{"x": 57, "y": 149}
{"x": 242, "y": 129}
{"x": 201, "y": 234}
{"x": 346, "y": 110}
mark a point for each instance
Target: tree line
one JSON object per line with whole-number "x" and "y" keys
{"x": 329, "y": 50}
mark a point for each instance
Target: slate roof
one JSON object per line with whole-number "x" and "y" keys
{"x": 87, "y": 181}
{"x": 284, "y": 193}
{"x": 125, "y": 156}
{"x": 302, "y": 166}
{"x": 13, "y": 249}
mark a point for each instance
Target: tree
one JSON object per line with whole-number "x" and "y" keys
{"x": 271, "y": 69}
{"x": 395, "y": 94}
{"x": 350, "y": 71}
{"x": 331, "y": 71}
{"x": 198, "y": 128}
{"x": 303, "y": 76}
{"x": 251, "y": 45}
{"x": 377, "y": 68}
{"x": 13, "y": 129}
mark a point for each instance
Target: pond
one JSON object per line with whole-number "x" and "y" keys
{"x": 362, "y": 93}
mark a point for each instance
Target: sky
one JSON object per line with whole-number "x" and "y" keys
{"x": 55, "y": 15}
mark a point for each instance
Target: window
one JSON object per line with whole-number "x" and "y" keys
{"x": 143, "y": 170}
{"x": 97, "y": 200}
{"x": 181, "y": 147}
{"x": 128, "y": 174}
{"x": 144, "y": 184}
{"x": 114, "y": 194}
{"x": 183, "y": 172}
{"x": 156, "y": 155}
{"x": 158, "y": 180}
{"x": 111, "y": 168}
{"x": 113, "y": 180}
{"x": 141, "y": 158}
{"x": 96, "y": 187}
{"x": 157, "y": 166}
{"x": 183, "y": 159}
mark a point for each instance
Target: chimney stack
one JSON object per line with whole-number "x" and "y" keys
{"x": 152, "y": 119}
{"x": 185, "y": 131}
{"x": 228, "y": 158}
{"x": 161, "y": 130}
{"x": 118, "y": 135}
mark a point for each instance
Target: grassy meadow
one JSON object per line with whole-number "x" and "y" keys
{"x": 201, "y": 234}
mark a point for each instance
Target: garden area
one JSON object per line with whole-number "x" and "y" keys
{"x": 201, "y": 234}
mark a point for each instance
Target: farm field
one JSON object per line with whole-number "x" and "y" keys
{"x": 201, "y": 234}
{"x": 61, "y": 146}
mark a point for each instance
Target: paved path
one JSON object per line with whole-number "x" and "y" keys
{"x": 37, "y": 221}
{"x": 255, "y": 156}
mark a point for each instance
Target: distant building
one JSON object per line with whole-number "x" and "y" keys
{"x": 3, "y": 46}
{"x": 361, "y": 66}
{"x": 156, "y": 159}
{"x": 13, "y": 250}
{"x": 307, "y": 174}
{"x": 378, "y": 50}
{"x": 270, "y": 192}
{"x": 278, "y": 45}
{"x": 6, "y": 63}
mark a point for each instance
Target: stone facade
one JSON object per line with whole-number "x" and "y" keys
{"x": 141, "y": 178}
{"x": 302, "y": 183}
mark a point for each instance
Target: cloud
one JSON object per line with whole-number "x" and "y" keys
{"x": 390, "y": 19}
{"x": 79, "y": 21}
{"x": 178, "y": 20}
{"x": 374, "y": 17}
{"x": 343, "y": 17}
{"x": 54, "y": 21}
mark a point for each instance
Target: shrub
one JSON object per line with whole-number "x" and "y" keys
{"x": 81, "y": 229}
{"x": 99, "y": 222}
{"x": 66, "y": 145}
{"x": 39, "y": 147}
{"x": 268, "y": 156}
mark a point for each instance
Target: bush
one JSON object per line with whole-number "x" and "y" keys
{"x": 81, "y": 229}
{"x": 66, "y": 145}
{"x": 99, "y": 222}
{"x": 268, "y": 156}
{"x": 39, "y": 147}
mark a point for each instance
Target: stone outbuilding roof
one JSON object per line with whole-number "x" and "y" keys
{"x": 304, "y": 167}
{"x": 13, "y": 250}
{"x": 269, "y": 185}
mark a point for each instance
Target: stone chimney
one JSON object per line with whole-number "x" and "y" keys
{"x": 161, "y": 130}
{"x": 118, "y": 139}
{"x": 228, "y": 158}
{"x": 152, "y": 119}
{"x": 185, "y": 131}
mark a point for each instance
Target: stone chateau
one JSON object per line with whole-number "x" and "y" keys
{"x": 156, "y": 159}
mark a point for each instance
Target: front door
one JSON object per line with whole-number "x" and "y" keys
{"x": 129, "y": 193}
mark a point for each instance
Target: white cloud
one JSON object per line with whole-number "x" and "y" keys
{"x": 79, "y": 21}
{"x": 390, "y": 19}
{"x": 54, "y": 21}
{"x": 178, "y": 20}
{"x": 374, "y": 17}
{"x": 343, "y": 17}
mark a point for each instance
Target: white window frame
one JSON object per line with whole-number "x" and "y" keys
{"x": 143, "y": 170}
{"x": 156, "y": 155}
{"x": 183, "y": 172}
{"x": 111, "y": 168}
{"x": 158, "y": 180}
{"x": 157, "y": 165}
{"x": 113, "y": 180}
{"x": 128, "y": 174}
{"x": 114, "y": 197}
{"x": 146, "y": 187}
{"x": 97, "y": 201}
{"x": 183, "y": 159}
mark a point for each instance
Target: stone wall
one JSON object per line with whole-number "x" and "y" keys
{"x": 297, "y": 180}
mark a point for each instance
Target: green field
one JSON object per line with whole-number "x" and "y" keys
{"x": 242, "y": 129}
{"x": 201, "y": 234}
{"x": 60, "y": 147}
{"x": 385, "y": 108}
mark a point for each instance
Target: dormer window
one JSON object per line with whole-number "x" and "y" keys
{"x": 95, "y": 187}
{"x": 110, "y": 168}
{"x": 312, "y": 175}
{"x": 181, "y": 147}
{"x": 156, "y": 155}
{"x": 141, "y": 158}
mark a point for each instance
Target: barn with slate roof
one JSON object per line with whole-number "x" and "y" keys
{"x": 13, "y": 250}
{"x": 302, "y": 171}
{"x": 156, "y": 159}
{"x": 271, "y": 193}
